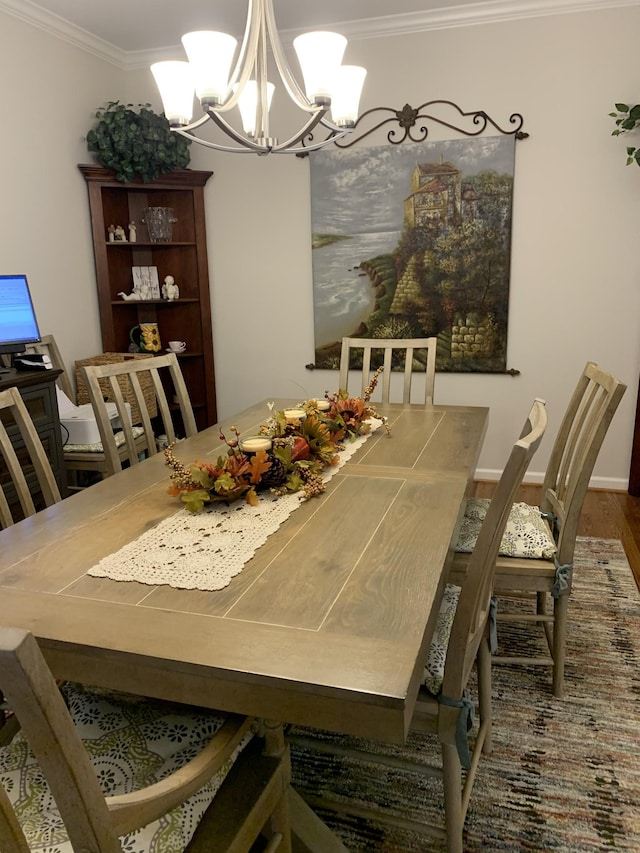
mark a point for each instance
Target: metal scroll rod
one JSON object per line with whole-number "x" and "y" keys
{"x": 413, "y": 123}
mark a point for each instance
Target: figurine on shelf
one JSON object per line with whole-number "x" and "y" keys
{"x": 120, "y": 236}
{"x": 170, "y": 289}
{"x": 111, "y": 230}
{"x": 129, "y": 297}
{"x": 132, "y": 232}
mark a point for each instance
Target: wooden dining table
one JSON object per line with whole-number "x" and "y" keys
{"x": 326, "y": 626}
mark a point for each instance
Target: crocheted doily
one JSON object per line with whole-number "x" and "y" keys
{"x": 206, "y": 550}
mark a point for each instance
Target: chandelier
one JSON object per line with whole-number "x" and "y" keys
{"x": 328, "y": 85}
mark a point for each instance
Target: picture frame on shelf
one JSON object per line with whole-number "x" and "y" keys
{"x": 146, "y": 282}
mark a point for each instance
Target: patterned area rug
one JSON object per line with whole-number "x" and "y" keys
{"x": 564, "y": 774}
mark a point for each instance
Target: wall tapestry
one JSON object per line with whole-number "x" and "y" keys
{"x": 412, "y": 241}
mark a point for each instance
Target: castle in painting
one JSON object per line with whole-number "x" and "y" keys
{"x": 438, "y": 197}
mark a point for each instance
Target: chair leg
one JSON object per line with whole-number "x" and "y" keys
{"x": 280, "y": 820}
{"x": 452, "y": 780}
{"x": 561, "y": 613}
{"x": 484, "y": 693}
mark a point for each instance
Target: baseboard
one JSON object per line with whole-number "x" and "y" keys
{"x": 610, "y": 484}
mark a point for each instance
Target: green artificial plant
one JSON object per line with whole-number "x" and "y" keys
{"x": 627, "y": 118}
{"x": 136, "y": 143}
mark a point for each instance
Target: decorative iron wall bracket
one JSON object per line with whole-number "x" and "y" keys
{"x": 413, "y": 124}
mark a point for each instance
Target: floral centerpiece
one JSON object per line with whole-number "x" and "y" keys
{"x": 290, "y": 453}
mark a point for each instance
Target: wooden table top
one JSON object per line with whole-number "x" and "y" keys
{"x": 326, "y": 626}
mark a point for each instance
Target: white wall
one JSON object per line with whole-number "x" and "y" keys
{"x": 575, "y": 291}
{"x": 50, "y": 91}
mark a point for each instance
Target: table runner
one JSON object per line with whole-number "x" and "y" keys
{"x": 206, "y": 550}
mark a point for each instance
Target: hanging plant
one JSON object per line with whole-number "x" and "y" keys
{"x": 627, "y": 118}
{"x": 136, "y": 143}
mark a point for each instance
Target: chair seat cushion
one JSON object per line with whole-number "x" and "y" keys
{"x": 132, "y": 742}
{"x": 97, "y": 447}
{"x": 434, "y": 668}
{"x": 526, "y": 534}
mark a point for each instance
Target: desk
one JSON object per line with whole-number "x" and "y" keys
{"x": 327, "y": 626}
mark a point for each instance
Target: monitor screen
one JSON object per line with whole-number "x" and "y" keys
{"x": 18, "y": 324}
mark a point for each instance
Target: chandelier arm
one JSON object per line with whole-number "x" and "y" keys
{"x": 262, "y": 110}
{"x": 294, "y": 91}
{"x": 243, "y": 67}
{"x": 302, "y": 152}
{"x": 234, "y": 134}
{"x": 313, "y": 121}
{"x": 244, "y": 150}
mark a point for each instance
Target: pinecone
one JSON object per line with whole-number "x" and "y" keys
{"x": 276, "y": 475}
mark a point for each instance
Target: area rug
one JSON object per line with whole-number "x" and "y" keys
{"x": 564, "y": 774}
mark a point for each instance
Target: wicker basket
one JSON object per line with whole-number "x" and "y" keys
{"x": 114, "y": 358}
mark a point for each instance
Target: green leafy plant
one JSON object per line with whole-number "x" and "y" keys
{"x": 627, "y": 118}
{"x": 136, "y": 143}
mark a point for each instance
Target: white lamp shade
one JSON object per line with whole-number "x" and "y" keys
{"x": 319, "y": 54}
{"x": 345, "y": 98}
{"x": 175, "y": 83}
{"x": 248, "y": 102}
{"x": 210, "y": 55}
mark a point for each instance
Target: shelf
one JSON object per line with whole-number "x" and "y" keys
{"x": 133, "y": 303}
{"x": 141, "y": 244}
{"x": 185, "y": 258}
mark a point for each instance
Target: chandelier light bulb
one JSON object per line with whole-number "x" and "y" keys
{"x": 210, "y": 55}
{"x": 175, "y": 83}
{"x": 248, "y": 105}
{"x": 319, "y": 55}
{"x": 345, "y": 96}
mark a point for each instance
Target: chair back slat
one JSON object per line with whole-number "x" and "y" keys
{"x": 575, "y": 451}
{"x": 473, "y": 605}
{"x": 409, "y": 346}
{"x": 48, "y": 346}
{"x": 11, "y": 401}
{"x": 132, "y": 370}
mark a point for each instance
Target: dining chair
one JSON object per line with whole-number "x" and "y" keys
{"x": 462, "y": 637}
{"x": 92, "y": 770}
{"x": 26, "y": 470}
{"x": 536, "y": 555}
{"x": 417, "y": 354}
{"x": 136, "y": 441}
{"x": 47, "y": 346}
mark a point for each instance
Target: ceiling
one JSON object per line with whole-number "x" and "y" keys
{"x": 130, "y": 33}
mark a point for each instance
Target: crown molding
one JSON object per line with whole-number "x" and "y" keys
{"x": 38, "y": 17}
{"x": 466, "y": 14}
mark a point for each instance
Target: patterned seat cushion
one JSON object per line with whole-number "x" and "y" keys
{"x": 526, "y": 533}
{"x": 434, "y": 669}
{"x": 97, "y": 447}
{"x": 132, "y": 742}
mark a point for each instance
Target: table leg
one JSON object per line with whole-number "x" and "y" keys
{"x": 280, "y": 820}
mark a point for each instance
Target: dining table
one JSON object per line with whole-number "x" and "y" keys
{"x": 327, "y": 625}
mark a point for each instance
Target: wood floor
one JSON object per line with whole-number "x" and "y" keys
{"x": 609, "y": 515}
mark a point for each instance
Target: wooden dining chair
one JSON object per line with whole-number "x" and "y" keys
{"x": 91, "y": 770}
{"x": 417, "y": 355}
{"x": 137, "y": 441}
{"x": 536, "y": 554}
{"x": 25, "y": 470}
{"x": 461, "y": 638}
{"x": 47, "y": 346}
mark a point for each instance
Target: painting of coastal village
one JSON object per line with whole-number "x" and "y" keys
{"x": 411, "y": 241}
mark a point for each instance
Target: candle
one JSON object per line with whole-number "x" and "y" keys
{"x": 323, "y": 405}
{"x": 295, "y": 414}
{"x": 253, "y": 443}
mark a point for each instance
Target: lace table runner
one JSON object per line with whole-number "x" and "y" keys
{"x": 205, "y": 551}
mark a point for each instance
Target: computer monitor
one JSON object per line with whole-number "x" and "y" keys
{"x": 18, "y": 324}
